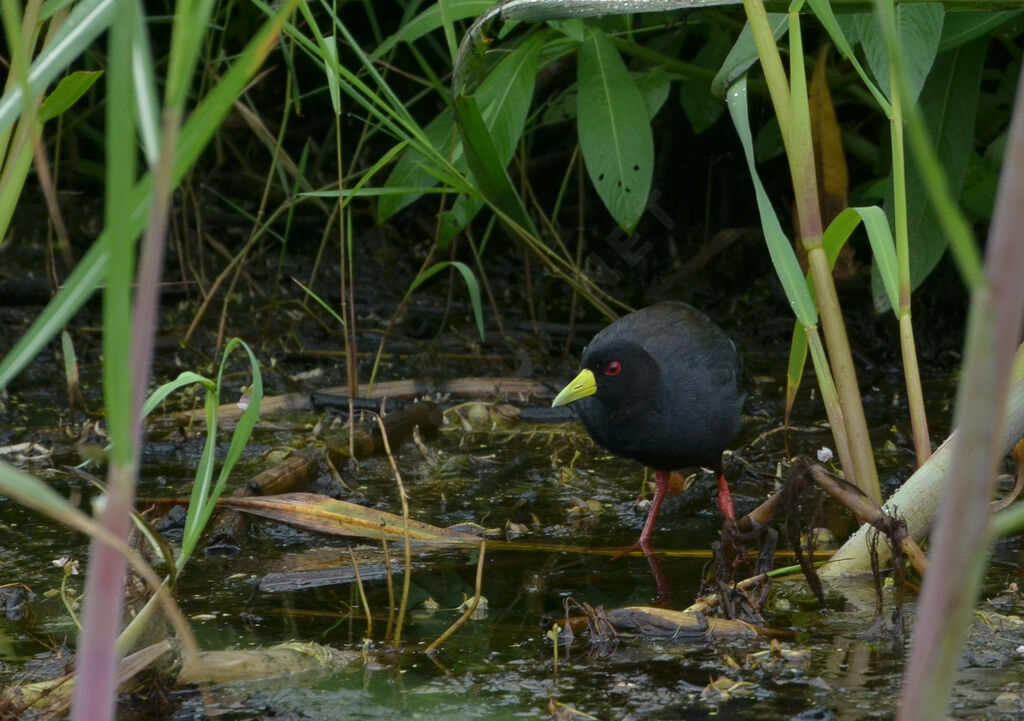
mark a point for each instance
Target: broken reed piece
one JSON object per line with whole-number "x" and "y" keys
{"x": 229, "y": 526}
{"x": 803, "y": 469}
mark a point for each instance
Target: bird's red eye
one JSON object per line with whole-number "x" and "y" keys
{"x": 613, "y": 368}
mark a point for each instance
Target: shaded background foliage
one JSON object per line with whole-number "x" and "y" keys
{"x": 698, "y": 238}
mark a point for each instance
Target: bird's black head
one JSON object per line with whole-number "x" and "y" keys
{"x": 618, "y": 375}
{"x": 624, "y": 374}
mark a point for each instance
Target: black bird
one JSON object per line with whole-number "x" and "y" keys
{"x": 661, "y": 386}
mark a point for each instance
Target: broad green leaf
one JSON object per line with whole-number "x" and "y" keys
{"x": 768, "y": 141}
{"x": 505, "y": 126}
{"x": 919, "y": 26}
{"x": 504, "y": 97}
{"x": 471, "y": 285}
{"x": 614, "y": 130}
{"x": 653, "y": 85}
{"x": 744, "y": 54}
{"x": 68, "y": 91}
{"x": 701, "y": 107}
{"x": 981, "y": 180}
{"x": 883, "y": 251}
{"x": 410, "y": 171}
{"x": 843, "y": 35}
{"x": 949, "y": 103}
{"x": 571, "y": 28}
{"x": 505, "y": 112}
{"x": 883, "y": 248}
{"x": 779, "y": 248}
{"x": 561, "y": 108}
{"x": 960, "y": 28}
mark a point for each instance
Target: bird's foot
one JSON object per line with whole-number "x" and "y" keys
{"x": 643, "y": 545}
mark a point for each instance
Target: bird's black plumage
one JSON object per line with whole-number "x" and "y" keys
{"x": 661, "y": 386}
{"x": 674, "y": 400}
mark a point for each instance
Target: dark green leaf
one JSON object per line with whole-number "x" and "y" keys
{"x": 701, "y": 107}
{"x": 503, "y": 121}
{"x": 487, "y": 168}
{"x": 572, "y": 28}
{"x": 768, "y": 143}
{"x": 844, "y": 33}
{"x": 919, "y": 26}
{"x": 504, "y": 97}
{"x": 982, "y": 178}
{"x": 614, "y": 130}
{"x": 744, "y": 54}
{"x": 960, "y": 28}
{"x": 409, "y": 171}
{"x": 949, "y": 102}
{"x": 653, "y": 85}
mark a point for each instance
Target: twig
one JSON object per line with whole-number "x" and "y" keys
{"x": 362, "y": 594}
{"x": 472, "y": 606}
{"x": 407, "y": 578}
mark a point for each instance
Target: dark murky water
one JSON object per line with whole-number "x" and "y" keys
{"x": 502, "y": 664}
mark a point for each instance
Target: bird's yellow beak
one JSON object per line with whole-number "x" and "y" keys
{"x": 581, "y": 386}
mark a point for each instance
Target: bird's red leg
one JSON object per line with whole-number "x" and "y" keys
{"x": 660, "y": 489}
{"x": 724, "y": 499}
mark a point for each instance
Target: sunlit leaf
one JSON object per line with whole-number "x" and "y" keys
{"x": 322, "y": 514}
{"x": 68, "y": 91}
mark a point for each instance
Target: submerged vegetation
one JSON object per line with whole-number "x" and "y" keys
{"x": 357, "y": 192}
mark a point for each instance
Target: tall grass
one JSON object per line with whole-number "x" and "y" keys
{"x": 134, "y": 204}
